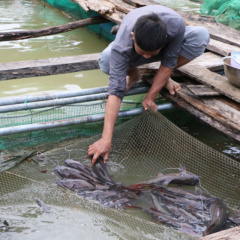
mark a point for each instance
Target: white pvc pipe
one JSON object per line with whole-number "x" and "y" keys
{"x": 74, "y": 121}
{"x": 66, "y": 94}
{"x": 65, "y": 101}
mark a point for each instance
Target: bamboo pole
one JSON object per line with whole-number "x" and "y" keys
{"x": 19, "y": 35}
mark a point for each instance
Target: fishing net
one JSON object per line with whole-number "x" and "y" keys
{"x": 52, "y": 113}
{"x": 227, "y": 12}
{"x": 141, "y": 148}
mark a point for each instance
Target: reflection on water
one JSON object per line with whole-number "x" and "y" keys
{"x": 28, "y": 222}
{"x": 36, "y": 15}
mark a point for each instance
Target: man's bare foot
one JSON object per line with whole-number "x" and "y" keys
{"x": 172, "y": 86}
{"x": 132, "y": 77}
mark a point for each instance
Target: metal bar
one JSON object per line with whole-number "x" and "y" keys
{"x": 74, "y": 121}
{"x": 66, "y": 94}
{"x": 65, "y": 101}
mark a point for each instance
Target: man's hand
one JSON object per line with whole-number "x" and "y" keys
{"x": 103, "y": 145}
{"x": 98, "y": 148}
{"x": 149, "y": 103}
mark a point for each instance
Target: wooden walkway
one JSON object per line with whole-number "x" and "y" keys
{"x": 205, "y": 93}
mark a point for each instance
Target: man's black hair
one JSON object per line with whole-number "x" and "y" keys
{"x": 150, "y": 32}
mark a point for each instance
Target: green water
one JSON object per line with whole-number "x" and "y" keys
{"x": 26, "y": 15}
{"x": 28, "y": 221}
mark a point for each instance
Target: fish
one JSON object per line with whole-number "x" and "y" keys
{"x": 186, "y": 203}
{"x": 160, "y": 204}
{"x": 70, "y": 173}
{"x": 170, "y": 221}
{"x": 183, "y": 177}
{"x": 177, "y": 192}
{"x": 45, "y": 208}
{"x": 100, "y": 169}
{"x": 76, "y": 184}
{"x": 96, "y": 194}
{"x": 79, "y": 166}
{"x": 219, "y": 214}
{"x": 116, "y": 203}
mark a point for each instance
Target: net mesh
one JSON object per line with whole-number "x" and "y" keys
{"x": 141, "y": 148}
{"x": 227, "y": 12}
{"x": 53, "y": 113}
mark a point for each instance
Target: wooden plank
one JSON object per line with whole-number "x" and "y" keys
{"x": 221, "y": 48}
{"x": 44, "y": 67}
{"x": 231, "y": 130}
{"x": 115, "y": 17}
{"x": 223, "y": 128}
{"x": 122, "y": 6}
{"x": 208, "y": 60}
{"x": 229, "y": 234}
{"x": 230, "y": 103}
{"x": 202, "y": 90}
{"x": 99, "y": 6}
{"x": 214, "y": 112}
{"x": 211, "y": 79}
{"x": 19, "y": 35}
{"x": 135, "y": 3}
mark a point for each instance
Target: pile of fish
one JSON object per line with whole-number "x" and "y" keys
{"x": 165, "y": 198}
{"x": 94, "y": 183}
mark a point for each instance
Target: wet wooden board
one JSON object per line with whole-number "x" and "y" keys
{"x": 99, "y": 6}
{"x": 202, "y": 90}
{"x": 221, "y": 126}
{"x": 109, "y": 10}
{"x": 229, "y": 234}
{"x": 208, "y": 60}
{"x": 213, "y": 80}
{"x": 221, "y": 48}
{"x": 51, "y": 66}
{"x": 214, "y": 108}
{"x": 19, "y": 35}
{"x": 219, "y": 112}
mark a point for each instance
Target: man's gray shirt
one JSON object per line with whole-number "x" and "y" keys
{"x": 123, "y": 53}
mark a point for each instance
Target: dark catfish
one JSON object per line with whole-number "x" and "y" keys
{"x": 78, "y": 165}
{"x": 100, "y": 169}
{"x": 170, "y": 221}
{"x": 182, "y": 193}
{"x": 115, "y": 202}
{"x": 70, "y": 173}
{"x": 76, "y": 184}
{"x": 161, "y": 204}
{"x": 96, "y": 194}
{"x": 219, "y": 214}
{"x": 183, "y": 177}
{"x": 45, "y": 208}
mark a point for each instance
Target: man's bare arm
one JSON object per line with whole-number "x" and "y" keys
{"x": 159, "y": 81}
{"x": 103, "y": 145}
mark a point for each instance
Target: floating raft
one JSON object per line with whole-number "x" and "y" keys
{"x": 205, "y": 93}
